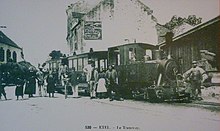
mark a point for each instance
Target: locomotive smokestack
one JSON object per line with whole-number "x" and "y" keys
{"x": 169, "y": 39}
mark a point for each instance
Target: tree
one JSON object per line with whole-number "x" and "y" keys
{"x": 55, "y": 54}
{"x": 177, "y": 21}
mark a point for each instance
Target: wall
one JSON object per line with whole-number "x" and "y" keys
{"x": 12, "y": 49}
{"x": 123, "y": 21}
{"x": 187, "y": 48}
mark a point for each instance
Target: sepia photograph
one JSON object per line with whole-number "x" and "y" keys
{"x": 109, "y": 65}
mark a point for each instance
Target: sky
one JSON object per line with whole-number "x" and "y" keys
{"x": 39, "y": 26}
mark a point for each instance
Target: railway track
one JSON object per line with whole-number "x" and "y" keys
{"x": 206, "y": 103}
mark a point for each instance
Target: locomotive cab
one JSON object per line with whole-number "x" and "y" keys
{"x": 132, "y": 53}
{"x": 137, "y": 67}
{"x": 144, "y": 71}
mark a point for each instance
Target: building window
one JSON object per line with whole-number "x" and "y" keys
{"x": 8, "y": 56}
{"x": 2, "y": 54}
{"x": 76, "y": 46}
{"x": 76, "y": 40}
{"x": 14, "y": 56}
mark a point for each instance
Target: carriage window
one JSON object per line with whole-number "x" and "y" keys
{"x": 50, "y": 66}
{"x": 70, "y": 63}
{"x": 85, "y": 62}
{"x": 118, "y": 59}
{"x": 80, "y": 64}
{"x": 75, "y": 64}
{"x": 102, "y": 64}
{"x": 96, "y": 64}
{"x": 132, "y": 54}
{"x": 148, "y": 55}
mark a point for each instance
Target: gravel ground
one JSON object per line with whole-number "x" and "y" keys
{"x": 56, "y": 114}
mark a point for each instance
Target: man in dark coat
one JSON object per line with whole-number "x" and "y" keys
{"x": 50, "y": 85}
{"x": 112, "y": 84}
{"x": 2, "y": 88}
{"x": 19, "y": 88}
{"x": 30, "y": 88}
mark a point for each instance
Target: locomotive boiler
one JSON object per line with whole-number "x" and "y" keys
{"x": 144, "y": 72}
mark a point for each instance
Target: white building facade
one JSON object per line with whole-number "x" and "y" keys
{"x": 9, "y": 51}
{"x": 109, "y": 23}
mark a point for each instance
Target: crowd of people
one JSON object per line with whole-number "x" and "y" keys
{"x": 104, "y": 83}
{"x": 101, "y": 84}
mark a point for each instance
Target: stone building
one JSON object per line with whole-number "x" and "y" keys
{"x": 109, "y": 23}
{"x": 9, "y": 50}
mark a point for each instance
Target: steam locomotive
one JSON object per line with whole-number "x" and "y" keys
{"x": 144, "y": 72}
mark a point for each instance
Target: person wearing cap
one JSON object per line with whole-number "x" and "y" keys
{"x": 92, "y": 78}
{"x": 112, "y": 84}
{"x": 196, "y": 76}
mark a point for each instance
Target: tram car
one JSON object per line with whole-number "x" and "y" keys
{"x": 77, "y": 61}
{"x": 82, "y": 60}
{"x": 144, "y": 72}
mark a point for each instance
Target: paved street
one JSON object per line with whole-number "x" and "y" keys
{"x": 56, "y": 114}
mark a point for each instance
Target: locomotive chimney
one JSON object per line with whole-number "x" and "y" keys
{"x": 169, "y": 39}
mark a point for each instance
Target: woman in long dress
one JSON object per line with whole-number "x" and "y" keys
{"x": 19, "y": 90}
{"x": 50, "y": 85}
{"x": 101, "y": 87}
{"x": 30, "y": 87}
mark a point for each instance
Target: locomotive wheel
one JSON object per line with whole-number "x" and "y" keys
{"x": 187, "y": 98}
{"x": 153, "y": 95}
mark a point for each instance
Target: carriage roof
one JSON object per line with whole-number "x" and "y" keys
{"x": 142, "y": 45}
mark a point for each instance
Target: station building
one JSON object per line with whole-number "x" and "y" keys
{"x": 200, "y": 43}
